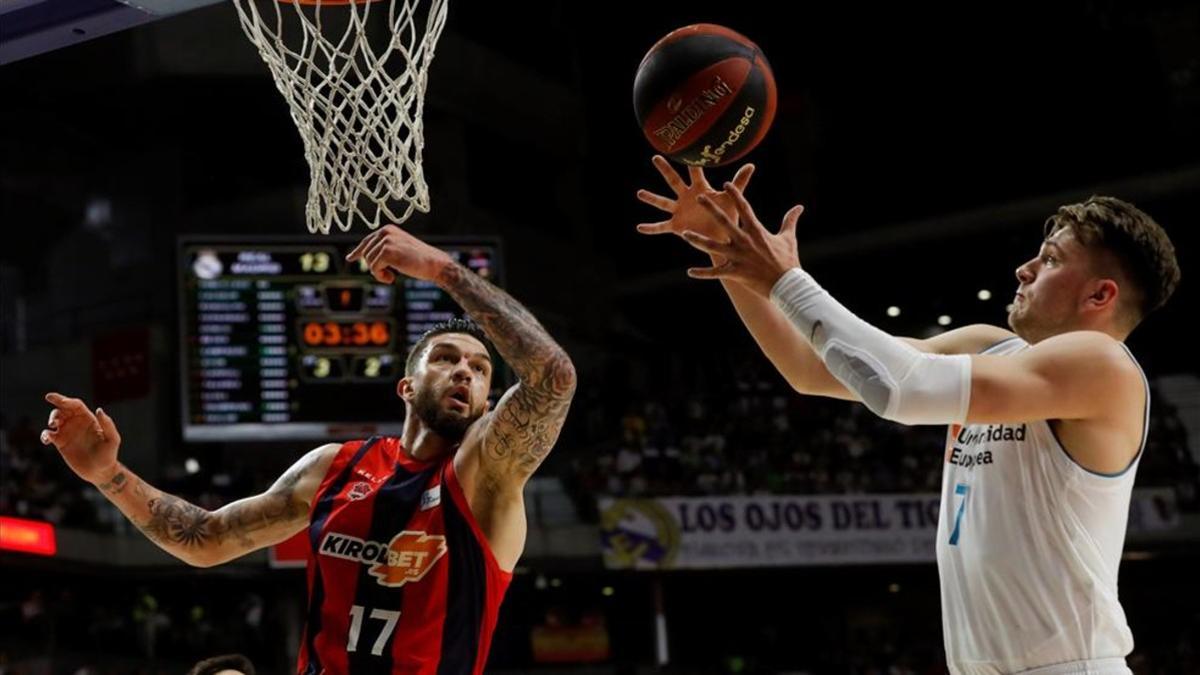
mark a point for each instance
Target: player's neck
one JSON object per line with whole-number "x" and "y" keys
{"x": 424, "y": 444}
{"x": 1108, "y": 328}
{"x": 1107, "y": 322}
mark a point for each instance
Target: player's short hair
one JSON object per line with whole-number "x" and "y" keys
{"x": 455, "y": 325}
{"x": 224, "y": 662}
{"x": 1140, "y": 245}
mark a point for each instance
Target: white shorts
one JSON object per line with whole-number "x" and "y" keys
{"x": 1113, "y": 666}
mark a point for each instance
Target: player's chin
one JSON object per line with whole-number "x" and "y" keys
{"x": 455, "y": 408}
{"x": 459, "y": 413}
{"x": 451, "y": 426}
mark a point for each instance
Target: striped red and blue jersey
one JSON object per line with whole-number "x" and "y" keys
{"x": 400, "y": 577}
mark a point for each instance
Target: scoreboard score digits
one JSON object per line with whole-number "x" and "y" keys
{"x": 289, "y": 341}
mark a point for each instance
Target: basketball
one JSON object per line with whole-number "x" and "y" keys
{"x": 704, "y": 95}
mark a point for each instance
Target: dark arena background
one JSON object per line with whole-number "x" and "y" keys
{"x": 696, "y": 515}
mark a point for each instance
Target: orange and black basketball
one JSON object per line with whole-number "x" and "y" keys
{"x": 704, "y": 95}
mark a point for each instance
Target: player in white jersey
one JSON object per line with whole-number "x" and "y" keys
{"x": 1047, "y": 421}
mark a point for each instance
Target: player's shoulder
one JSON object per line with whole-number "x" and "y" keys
{"x": 1090, "y": 342}
{"x": 326, "y": 452}
{"x": 1092, "y": 349}
{"x": 323, "y": 456}
{"x": 318, "y": 460}
{"x": 376, "y": 442}
{"x": 971, "y": 339}
{"x": 1090, "y": 362}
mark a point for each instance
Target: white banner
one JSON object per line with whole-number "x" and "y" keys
{"x": 786, "y": 530}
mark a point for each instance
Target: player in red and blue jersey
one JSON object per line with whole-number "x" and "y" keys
{"x": 412, "y": 539}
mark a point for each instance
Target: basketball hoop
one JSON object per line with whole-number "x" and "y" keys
{"x": 356, "y": 89}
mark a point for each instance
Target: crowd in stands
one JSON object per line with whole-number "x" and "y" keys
{"x": 724, "y": 431}
{"x": 743, "y": 431}
{"x": 36, "y": 483}
{"x": 160, "y": 625}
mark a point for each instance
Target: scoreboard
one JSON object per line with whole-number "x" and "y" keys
{"x": 283, "y": 340}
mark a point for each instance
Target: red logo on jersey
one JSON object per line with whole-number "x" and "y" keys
{"x": 409, "y": 556}
{"x": 358, "y": 491}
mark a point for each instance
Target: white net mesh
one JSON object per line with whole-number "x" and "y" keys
{"x": 356, "y": 88}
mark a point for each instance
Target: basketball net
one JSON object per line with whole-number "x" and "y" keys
{"x": 356, "y": 90}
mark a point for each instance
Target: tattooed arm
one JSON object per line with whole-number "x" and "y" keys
{"x": 521, "y": 431}
{"x": 88, "y": 443}
{"x": 205, "y": 538}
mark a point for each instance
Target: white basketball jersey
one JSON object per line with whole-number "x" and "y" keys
{"x": 1028, "y": 547}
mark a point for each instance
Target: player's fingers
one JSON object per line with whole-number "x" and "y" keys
{"x": 108, "y": 426}
{"x": 742, "y": 178}
{"x": 69, "y": 406}
{"x": 706, "y": 244}
{"x": 668, "y": 173}
{"x": 375, "y": 252}
{"x": 376, "y": 259}
{"x": 789, "y": 220}
{"x": 714, "y": 272}
{"x": 746, "y": 217}
{"x": 696, "y": 175}
{"x": 657, "y": 201}
{"x": 357, "y": 251}
{"x": 381, "y": 273}
{"x": 718, "y": 215}
{"x": 663, "y": 227}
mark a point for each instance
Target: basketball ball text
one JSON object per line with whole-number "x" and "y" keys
{"x": 710, "y": 156}
{"x": 672, "y": 131}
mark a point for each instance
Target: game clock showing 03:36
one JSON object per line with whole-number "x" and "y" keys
{"x": 282, "y": 340}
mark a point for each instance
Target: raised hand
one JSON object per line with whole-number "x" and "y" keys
{"x": 686, "y": 211}
{"x": 390, "y": 250}
{"x": 87, "y": 441}
{"x": 743, "y": 250}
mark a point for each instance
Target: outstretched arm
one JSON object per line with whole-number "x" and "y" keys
{"x": 528, "y": 419}
{"x": 519, "y": 434}
{"x": 775, "y": 335}
{"x": 1056, "y": 379}
{"x": 1073, "y": 376}
{"x": 88, "y": 442}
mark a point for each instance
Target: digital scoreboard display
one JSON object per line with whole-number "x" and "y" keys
{"x": 283, "y": 340}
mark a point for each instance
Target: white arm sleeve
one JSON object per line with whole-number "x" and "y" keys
{"x": 894, "y": 379}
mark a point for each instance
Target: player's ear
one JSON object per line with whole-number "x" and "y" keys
{"x": 1104, "y": 292}
{"x": 405, "y": 389}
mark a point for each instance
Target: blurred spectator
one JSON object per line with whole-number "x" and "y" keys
{"x": 36, "y": 483}
{"x": 733, "y": 427}
{"x": 738, "y": 429}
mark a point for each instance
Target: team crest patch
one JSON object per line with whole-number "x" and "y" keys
{"x": 358, "y": 491}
